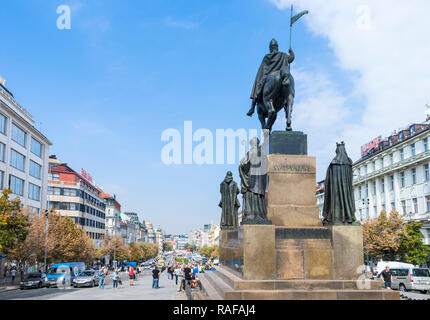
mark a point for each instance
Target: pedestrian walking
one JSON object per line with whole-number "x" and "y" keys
{"x": 13, "y": 274}
{"x": 387, "y": 277}
{"x": 5, "y": 274}
{"x": 131, "y": 275}
{"x": 155, "y": 278}
{"x": 115, "y": 278}
{"x": 188, "y": 275}
{"x": 180, "y": 276}
{"x": 175, "y": 272}
{"x": 101, "y": 278}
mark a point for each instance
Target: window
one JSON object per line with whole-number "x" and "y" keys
{"x": 33, "y": 192}
{"x": 17, "y": 160}
{"x": 382, "y": 162}
{"x": 413, "y": 149}
{"x": 18, "y": 135}
{"x": 367, "y": 190}
{"x": 391, "y": 158}
{"x": 404, "y": 206}
{"x": 2, "y": 151}
{"x": 393, "y": 206}
{"x": 402, "y": 179}
{"x": 16, "y": 185}
{"x": 375, "y": 212}
{"x": 415, "y": 201}
{"x": 426, "y": 144}
{"x": 427, "y": 172}
{"x": 383, "y": 206}
{"x": 383, "y": 185}
{"x": 374, "y": 165}
{"x": 35, "y": 169}
{"x": 1, "y": 179}
{"x": 428, "y": 203}
{"x": 391, "y": 183}
{"x": 36, "y": 148}
{"x": 374, "y": 188}
{"x": 402, "y": 154}
{"x": 414, "y": 175}
{"x": 2, "y": 124}
{"x": 54, "y": 177}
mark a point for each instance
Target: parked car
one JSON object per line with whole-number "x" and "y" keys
{"x": 64, "y": 273}
{"x": 34, "y": 280}
{"x": 87, "y": 278}
{"x": 406, "y": 279}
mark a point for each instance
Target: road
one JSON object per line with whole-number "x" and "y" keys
{"x": 141, "y": 290}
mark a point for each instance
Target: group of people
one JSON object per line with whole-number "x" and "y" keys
{"x": 13, "y": 272}
{"x": 116, "y": 279}
{"x": 185, "y": 274}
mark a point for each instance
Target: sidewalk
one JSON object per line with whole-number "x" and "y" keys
{"x": 9, "y": 288}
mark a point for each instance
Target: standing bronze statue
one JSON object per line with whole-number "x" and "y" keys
{"x": 339, "y": 204}
{"x": 253, "y": 175}
{"x": 273, "y": 87}
{"x": 229, "y": 202}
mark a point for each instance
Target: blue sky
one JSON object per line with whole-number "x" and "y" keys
{"x": 104, "y": 91}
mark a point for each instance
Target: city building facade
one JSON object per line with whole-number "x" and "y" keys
{"x": 73, "y": 195}
{"x": 24, "y": 154}
{"x": 394, "y": 174}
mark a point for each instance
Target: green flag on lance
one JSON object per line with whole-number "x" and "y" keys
{"x": 298, "y": 16}
{"x": 294, "y": 20}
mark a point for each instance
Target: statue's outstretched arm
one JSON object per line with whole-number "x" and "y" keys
{"x": 291, "y": 57}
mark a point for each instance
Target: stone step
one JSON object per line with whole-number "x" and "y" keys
{"x": 227, "y": 275}
{"x": 220, "y": 286}
{"x": 208, "y": 288}
{"x": 313, "y": 295}
{"x": 308, "y": 285}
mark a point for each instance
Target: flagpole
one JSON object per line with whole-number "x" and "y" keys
{"x": 291, "y": 25}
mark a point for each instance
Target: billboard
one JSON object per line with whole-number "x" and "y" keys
{"x": 369, "y": 146}
{"x": 86, "y": 175}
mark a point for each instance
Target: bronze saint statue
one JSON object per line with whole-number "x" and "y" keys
{"x": 339, "y": 204}
{"x": 253, "y": 175}
{"x": 229, "y": 202}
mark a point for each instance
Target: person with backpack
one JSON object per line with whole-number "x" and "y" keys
{"x": 155, "y": 278}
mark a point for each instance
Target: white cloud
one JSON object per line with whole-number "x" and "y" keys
{"x": 386, "y": 41}
{"x": 180, "y": 24}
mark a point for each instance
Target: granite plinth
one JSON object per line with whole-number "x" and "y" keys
{"x": 288, "y": 142}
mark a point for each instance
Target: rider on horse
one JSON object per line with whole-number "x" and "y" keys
{"x": 273, "y": 73}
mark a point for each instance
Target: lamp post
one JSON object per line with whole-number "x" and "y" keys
{"x": 114, "y": 248}
{"x": 46, "y": 240}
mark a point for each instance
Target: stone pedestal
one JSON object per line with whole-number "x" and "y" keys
{"x": 258, "y": 252}
{"x": 288, "y": 142}
{"x": 230, "y": 249}
{"x": 347, "y": 252}
{"x": 292, "y": 195}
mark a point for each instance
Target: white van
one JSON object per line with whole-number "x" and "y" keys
{"x": 405, "y": 279}
{"x": 393, "y": 265}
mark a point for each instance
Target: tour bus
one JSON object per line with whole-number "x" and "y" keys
{"x": 64, "y": 273}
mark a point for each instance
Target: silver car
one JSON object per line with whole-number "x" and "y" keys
{"x": 87, "y": 278}
{"x": 411, "y": 279}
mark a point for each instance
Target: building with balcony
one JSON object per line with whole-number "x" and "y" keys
{"x": 395, "y": 175}
{"x": 24, "y": 154}
{"x": 72, "y": 195}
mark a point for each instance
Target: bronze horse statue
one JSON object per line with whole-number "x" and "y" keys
{"x": 274, "y": 88}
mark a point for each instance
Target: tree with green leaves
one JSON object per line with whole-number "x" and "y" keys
{"x": 167, "y": 246}
{"x": 412, "y": 249}
{"x": 390, "y": 238}
{"x": 14, "y": 224}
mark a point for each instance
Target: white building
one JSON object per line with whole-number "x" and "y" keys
{"x": 394, "y": 174}
{"x": 24, "y": 154}
{"x": 113, "y": 215}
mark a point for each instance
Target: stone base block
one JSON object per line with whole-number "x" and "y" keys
{"x": 348, "y": 252}
{"x": 259, "y": 252}
{"x": 288, "y": 142}
{"x": 293, "y": 215}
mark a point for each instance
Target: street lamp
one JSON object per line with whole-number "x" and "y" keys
{"x": 46, "y": 239}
